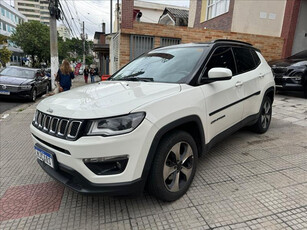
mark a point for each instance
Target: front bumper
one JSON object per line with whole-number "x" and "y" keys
{"x": 70, "y": 155}
{"x": 75, "y": 181}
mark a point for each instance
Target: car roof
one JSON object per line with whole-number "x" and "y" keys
{"x": 210, "y": 43}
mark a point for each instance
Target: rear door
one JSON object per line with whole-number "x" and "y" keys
{"x": 222, "y": 98}
{"x": 249, "y": 75}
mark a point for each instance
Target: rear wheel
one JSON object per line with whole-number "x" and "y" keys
{"x": 264, "y": 120}
{"x": 174, "y": 166}
{"x": 33, "y": 95}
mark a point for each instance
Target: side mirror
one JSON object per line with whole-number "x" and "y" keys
{"x": 219, "y": 74}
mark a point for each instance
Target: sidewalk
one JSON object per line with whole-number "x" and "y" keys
{"x": 246, "y": 182}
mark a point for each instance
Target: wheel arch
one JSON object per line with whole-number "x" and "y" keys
{"x": 191, "y": 124}
{"x": 270, "y": 92}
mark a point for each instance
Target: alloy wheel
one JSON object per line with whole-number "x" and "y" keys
{"x": 34, "y": 95}
{"x": 266, "y": 114}
{"x": 178, "y": 166}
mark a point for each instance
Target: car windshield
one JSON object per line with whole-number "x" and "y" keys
{"x": 171, "y": 65}
{"x": 300, "y": 55}
{"x": 18, "y": 72}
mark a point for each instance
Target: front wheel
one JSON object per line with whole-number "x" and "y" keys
{"x": 174, "y": 166}
{"x": 264, "y": 120}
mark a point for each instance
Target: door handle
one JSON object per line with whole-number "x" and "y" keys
{"x": 239, "y": 84}
{"x": 261, "y": 75}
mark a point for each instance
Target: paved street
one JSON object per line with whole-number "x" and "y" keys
{"x": 246, "y": 182}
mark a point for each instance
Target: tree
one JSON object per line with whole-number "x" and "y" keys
{"x": 5, "y": 53}
{"x": 33, "y": 38}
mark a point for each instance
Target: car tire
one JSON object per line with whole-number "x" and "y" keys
{"x": 33, "y": 95}
{"x": 47, "y": 89}
{"x": 305, "y": 90}
{"x": 174, "y": 166}
{"x": 265, "y": 117}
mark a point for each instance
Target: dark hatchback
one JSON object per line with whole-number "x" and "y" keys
{"x": 291, "y": 73}
{"x": 23, "y": 82}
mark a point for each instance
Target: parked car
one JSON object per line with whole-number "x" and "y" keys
{"x": 105, "y": 77}
{"x": 291, "y": 73}
{"x": 149, "y": 123}
{"x": 23, "y": 82}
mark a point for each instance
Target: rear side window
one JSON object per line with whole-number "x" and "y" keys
{"x": 256, "y": 58}
{"x": 222, "y": 57}
{"x": 244, "y": 59}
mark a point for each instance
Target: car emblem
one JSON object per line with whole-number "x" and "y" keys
{"x": 4, "y": 87}
{"x": 50, "y": 110}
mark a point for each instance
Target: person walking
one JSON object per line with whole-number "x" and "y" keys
{"x": 92, "y": 73}
{"x": 85, "y": 73}
{"x": 64, "y": 76}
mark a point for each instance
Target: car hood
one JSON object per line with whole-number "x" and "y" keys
{"x": 105, "y": 99}
{"x": 285, "y": 62}
{"x": 7, "y": 80}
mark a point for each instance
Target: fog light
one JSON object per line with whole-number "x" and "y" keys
{"x": 107, "y": 165}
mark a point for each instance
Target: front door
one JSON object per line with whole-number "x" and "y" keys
{"x": 222, "y": 98}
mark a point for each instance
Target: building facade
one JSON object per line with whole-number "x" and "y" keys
{"x": 151, "y": 12}
{"x": 34, "y": 10}
{"x": 63, "y": 32}
{"x": 283, "y": 18}
{"x": 9, "y": 19}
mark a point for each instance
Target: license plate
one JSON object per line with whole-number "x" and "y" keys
{"x": 4, "y": 92}
{"x": 44, "y": 157}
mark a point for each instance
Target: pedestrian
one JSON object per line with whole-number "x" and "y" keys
{"x": 64, "y": 76}
{"x": 85, "y": 73}
{"x": 92, "y": 73}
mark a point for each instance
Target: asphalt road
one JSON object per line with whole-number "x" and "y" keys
{"x": 7, "y": 104}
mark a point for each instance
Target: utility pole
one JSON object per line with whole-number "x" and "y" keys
{"x": 111, "y": 16}
{"x": 83, "y": 38}
{"x": 117, "y": 11}
{"x": 54, "y": 15}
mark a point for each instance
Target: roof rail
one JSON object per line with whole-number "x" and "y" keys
{"x": 229, "y": 40}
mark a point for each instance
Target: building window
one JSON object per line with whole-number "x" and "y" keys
{"x": 140, "y": 44}
{"x": 169, "y": 41}
{"x": 217, "y": 7}
{"x": 3, "y": 12}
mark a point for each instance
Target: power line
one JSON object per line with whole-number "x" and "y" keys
{"x": 63, "y": 13}
{"x": 72, "y": 18}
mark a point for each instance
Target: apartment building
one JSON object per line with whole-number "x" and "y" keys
{"x": 9, "y": 19}
{"x": 63, "y": 32}
{"x": 282, "y": 18}
{"x": 34, "y": 10}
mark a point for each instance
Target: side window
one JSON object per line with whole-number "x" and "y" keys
{"x": 244, "y": 59}
{"x": 256, "y": 58}
{"x": 222, "y": 57}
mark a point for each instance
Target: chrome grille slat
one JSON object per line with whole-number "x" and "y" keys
{"x": 57, "y": 126}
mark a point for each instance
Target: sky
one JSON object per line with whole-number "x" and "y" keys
{"x": 94, "y": 13}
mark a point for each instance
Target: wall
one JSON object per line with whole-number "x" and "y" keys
{"x": 300, "y": 37}
{"x": 192, "y": 12}
{"x": 246, "y": 17}
{"x": 271, "y": 47}
{"x": 221, "y": 22}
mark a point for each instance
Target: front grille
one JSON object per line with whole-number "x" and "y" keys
{"x": 57, "y": 126}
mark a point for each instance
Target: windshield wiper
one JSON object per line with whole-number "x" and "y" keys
{"x": 129, "y": 78}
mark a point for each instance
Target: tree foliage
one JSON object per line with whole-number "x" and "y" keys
{"x": 5, "y": 53}
{"x": 34, "y": 38}
{"x": 72, "y": 49}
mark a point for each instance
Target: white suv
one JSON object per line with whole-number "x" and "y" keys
{"x": 148, "y": 124}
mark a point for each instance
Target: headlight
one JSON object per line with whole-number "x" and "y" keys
{"x": 115, "y": 125}
{"x": 26, "y": 87}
